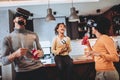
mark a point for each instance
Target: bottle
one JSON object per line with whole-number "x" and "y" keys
{"x": 33, "y": 51}
{"x": 84, "y": 42}
{"x": 85, "y": 39}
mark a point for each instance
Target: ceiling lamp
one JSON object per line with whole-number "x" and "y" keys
{"x": 49, "y": 16}
{"x": 73, "y": 16}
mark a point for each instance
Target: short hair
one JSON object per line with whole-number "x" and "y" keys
{"x": 102, "y": 24}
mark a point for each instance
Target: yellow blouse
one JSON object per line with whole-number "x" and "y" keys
{"x": 57, "y": 45}
{"x": 105, "y": 46}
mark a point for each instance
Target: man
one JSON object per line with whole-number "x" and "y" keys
{"x": 22, "y": 48}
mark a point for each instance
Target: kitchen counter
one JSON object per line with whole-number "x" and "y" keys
{"x": 83, "y": 69}
{"x": 83, "y": 66}
{"x": 77, "y": 59}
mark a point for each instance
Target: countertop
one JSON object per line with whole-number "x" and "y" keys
{"x": 77, "y": 59}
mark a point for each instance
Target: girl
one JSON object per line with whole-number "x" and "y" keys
{"x": 60, "y": 48}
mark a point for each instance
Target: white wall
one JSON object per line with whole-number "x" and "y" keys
{"x": 45, "y": 30}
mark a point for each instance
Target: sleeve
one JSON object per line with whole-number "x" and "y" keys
{"x": 112, "y": 52}
{"x": 5, "y": 51}
{"x": 38, "y": 44}
{"x": 54, "y": 50}
{"x": 69, "y": 43}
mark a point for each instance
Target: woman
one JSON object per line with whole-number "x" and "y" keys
{"x": 61, "y": 48}
{"x": 103, "y": 51}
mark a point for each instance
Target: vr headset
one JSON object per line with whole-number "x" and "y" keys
{"x": 91, "y": 23}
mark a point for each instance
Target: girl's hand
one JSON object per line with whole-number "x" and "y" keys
{"x": 64, "y": 48}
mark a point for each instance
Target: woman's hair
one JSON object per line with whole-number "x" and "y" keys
{"x": 102, "y": 24}
{"x": 57, "y": 26}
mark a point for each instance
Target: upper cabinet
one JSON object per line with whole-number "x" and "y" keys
{"x": 113, "y": 14}
{"x": 76, "y": 30}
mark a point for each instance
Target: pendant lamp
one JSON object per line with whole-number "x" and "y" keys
{"x": 49, "y": 16}
{"x": 73, "y": 15}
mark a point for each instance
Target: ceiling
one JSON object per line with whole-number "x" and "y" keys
{"x": 61, "y": 7}
{"x": 4, "y": 3}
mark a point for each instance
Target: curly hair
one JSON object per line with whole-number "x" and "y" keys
{"x": 57, "y": 26}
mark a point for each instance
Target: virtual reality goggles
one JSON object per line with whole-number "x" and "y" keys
{"x": 22, "y": 12}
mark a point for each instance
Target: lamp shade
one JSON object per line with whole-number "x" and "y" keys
{"x": 49, "y": 16}
{"x": 73, "y": 16}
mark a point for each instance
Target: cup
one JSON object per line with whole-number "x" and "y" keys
{"x": 35, "y": 56}
{"x": 86, "y": 50}
{"x": 85, "y": 39}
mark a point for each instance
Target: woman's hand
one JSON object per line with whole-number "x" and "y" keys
{"x": 92, "y": 53}
{"x": 64, "y": 48}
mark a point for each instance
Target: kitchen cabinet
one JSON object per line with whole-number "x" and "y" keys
{"x": 76, "y": 30}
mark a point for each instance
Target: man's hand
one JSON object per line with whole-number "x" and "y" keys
{"x": 38, "y": 53}
{"x": 20, "y": 52}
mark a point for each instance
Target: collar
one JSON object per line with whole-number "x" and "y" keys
{"x": 21, "y": 30}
